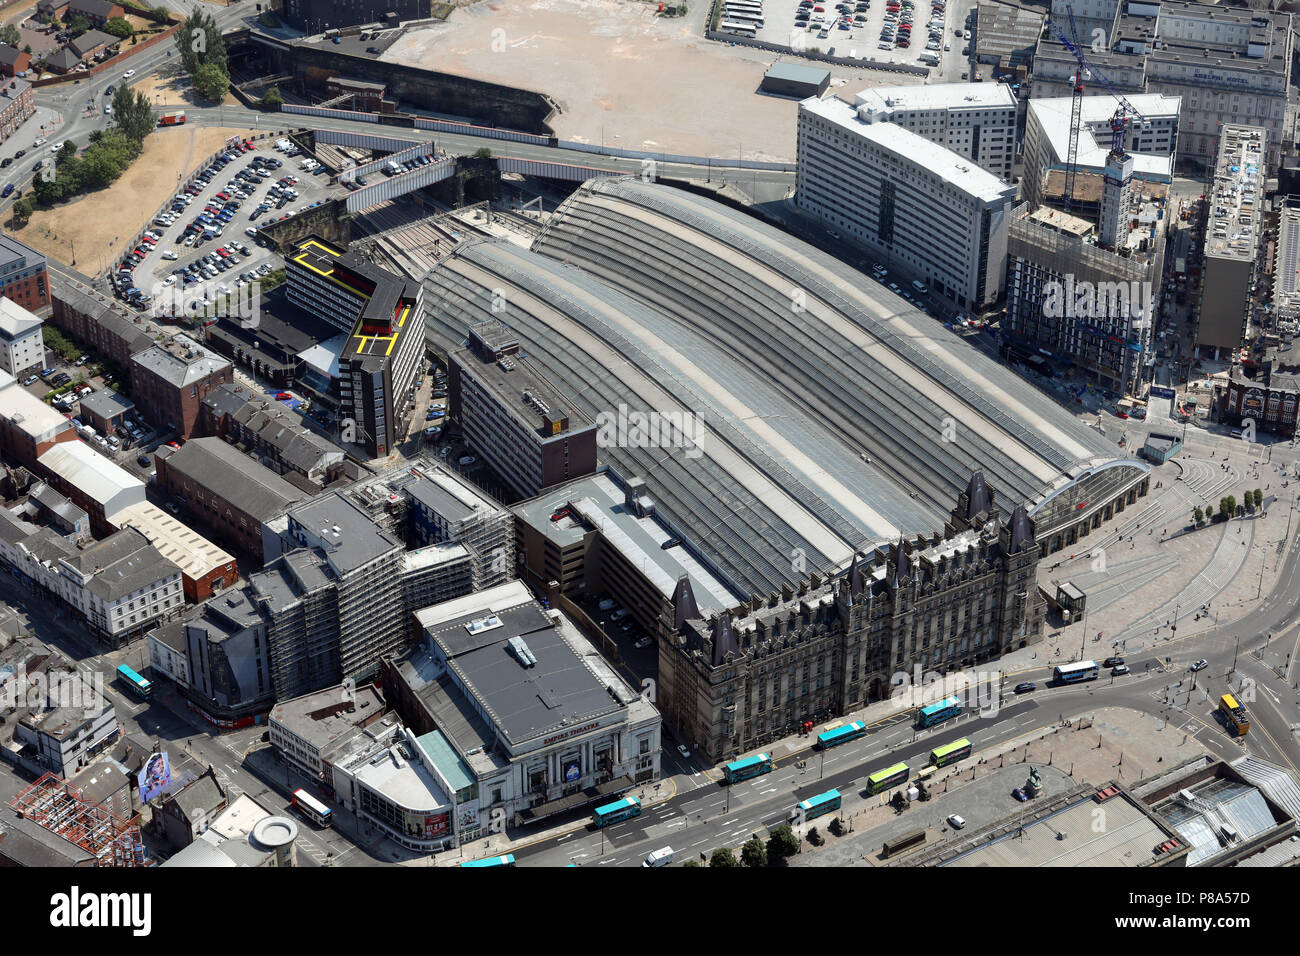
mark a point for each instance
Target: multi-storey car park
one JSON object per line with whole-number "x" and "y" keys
{"x": 830, "y": 416}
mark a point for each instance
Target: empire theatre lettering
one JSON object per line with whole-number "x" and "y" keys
{"x": 569, "y": 733}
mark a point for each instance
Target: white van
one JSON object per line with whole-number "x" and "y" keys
{"x": 918, "y": 285}
{"x": 660, "y": 857}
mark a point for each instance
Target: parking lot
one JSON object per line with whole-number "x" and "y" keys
{"x": 204, "y": 242}
{"x": 867, "y": 29}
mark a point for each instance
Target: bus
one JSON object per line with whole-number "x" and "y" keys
{"x": 941, "y": 711}
{"x": 623, "y": 809}
{"x": 137, "y": 684}
{"x": 747, "y": 767}
{"x": 840, "y": 735}
{"x": 1234, "y": 714}
{"x": 827, "y": 802}
{"x": 742, "y": 16}
{"x": 747, "y": 6}
{"x": 507, "y": 860}
{"x": 1069, "y": 673}
{"x": 950, "y": 753}
{"x": 889, "y": 777}
{"x": 312, "y": 809}
{"x": 738, "y": 29}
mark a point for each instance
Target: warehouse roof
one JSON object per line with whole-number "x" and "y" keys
{"x": 92, "y": 473}
{"x": 234, "y": 477}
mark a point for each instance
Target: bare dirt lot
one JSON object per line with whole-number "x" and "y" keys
{"x": 630, "y": 78}
{"x": 88, "y": 226}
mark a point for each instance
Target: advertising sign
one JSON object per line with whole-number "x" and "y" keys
{"x": 154, "y": 776}
{"x": 435, "y": 825}
{"x": 572, "y": 772}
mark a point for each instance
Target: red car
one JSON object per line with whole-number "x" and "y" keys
{"x": 283, "y": 396}
{"x": 172, "y": 444}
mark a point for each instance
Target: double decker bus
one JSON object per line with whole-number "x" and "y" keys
{"x": 623, "y": 809}
{"x": 950, "y": 753}
{"x": 747, "y": 767}
{"x": 827, "y": 802}
{"x": 840, "y": 735}
{"x": 1070, "y": 673}
{"x": 135, "y": 683}
{"x": 312, "y": 809}
{"x": 889, "y": 777}
{"x": 941, "y": 711}
{"x": 1235, "y": 715}
{"x": 507, "y": 860}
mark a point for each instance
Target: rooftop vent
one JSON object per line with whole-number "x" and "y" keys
{"x": 520, "y": 649}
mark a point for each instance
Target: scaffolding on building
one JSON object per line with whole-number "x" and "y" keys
{"x": 58, "y": 807}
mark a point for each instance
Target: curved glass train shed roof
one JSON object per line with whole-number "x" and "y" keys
{"x": 834, "y": 416}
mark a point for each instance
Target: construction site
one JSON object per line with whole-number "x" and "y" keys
{"x": 53, "y": 804}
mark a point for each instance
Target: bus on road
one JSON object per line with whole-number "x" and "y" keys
{"x": 312, "y": 809}
{"x": 1069, "y": 673}
{"x": 137, "y": 684}
{"x": 840, "y": 735}
{"x": 623, "y": 809}
{"x": 1235, "y": 715}
{"x": 507, "y": 860}
{"x": 747, "y": 767}
{"x": 827, "y": 802}
{"x": 950, "y": 753}
{"x": 889, "y": 777}
{"x": 943, "y": 710}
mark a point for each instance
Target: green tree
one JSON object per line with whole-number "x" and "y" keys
{"x": 723, "y": 857}
{"x": 65, "y": 154}
{"x": 273, "y": 97}
{"x": 199, "y": 41}
{"x": 159, "y": 15}
{"x": 27, "y": 48}
{"x": 1198, "y": 515}
{"x": 119, "y": 27}
{"x": 133, "y": 114}
{"x": 782, "y": 843}
{"x": 9, "y": 34}
{"x": 1259, "y": 499}
{"x": 754, "y": 853}
{"x": 78, "y": 25}
{"x": 22, "y": 210}
{"x": 483, "y": 153}
{"x": 691, "y": 863}
{"x": 1227, "y": 506}
{"x": 211, "y": 82}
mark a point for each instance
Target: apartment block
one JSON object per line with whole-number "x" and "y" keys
{"x": 22, "y": 347}
{"x": 169, "y": 382}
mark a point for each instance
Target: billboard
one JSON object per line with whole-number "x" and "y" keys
{"x": 154, "y": 776}
{"x": 572, "y": 772}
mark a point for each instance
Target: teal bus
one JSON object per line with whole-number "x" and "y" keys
{"x": 936, "y": 713}
{"x": 842, "y": 734}
{"x": 137, "y": 684}
{"x": 747, "y": 767}
{"x": 623, "y": 809}
{"x": 827, "y": 802}
{"x": 889, "y": 777}
{"x": 950, "y": 753}
{"x": 507, "y": 860}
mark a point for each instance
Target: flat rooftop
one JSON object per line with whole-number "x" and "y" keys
{"x": 1237, "y": 200}
{"x": 509, "y": 654}
{"x": 325, "y": 717}
{"x": 952, "y": 168}
{"x": 937, "y": 96}
{"x": 347, "y": 534}
{"x": 1053, "y": 117}
{"x": 1069, "y": 837}
{"x": 598, "y": 502}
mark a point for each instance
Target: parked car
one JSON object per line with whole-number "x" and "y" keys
{"x": 467, "y": 460}
{"x": 956, "y": 821}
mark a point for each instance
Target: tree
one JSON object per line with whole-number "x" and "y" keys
{"x": 723, "y": 857}
{"x": 78, "y": 25}
{"x": 159, "y": 15}
{"x": 1227, "y": 506}
{"x": 273, "y": 97}
{"x": 754, "y": 853}
{"x": 782, "y": 843}
{"x": 119, "y": 27}
{"x": 1198, "y": 516}
{"x": 22, "y": 210}
{"x": 1259, "y": 498}
{"x": 199, "y": 41}
{"x": 691, "y": 863}
{"x": 483, "y": 153}
{"x": 210, "y": 82}
{"x": 9, "y": 34}
{"x": 133, "y": 114}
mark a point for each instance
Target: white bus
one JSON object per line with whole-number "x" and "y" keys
{"x": 1069, "y": 673}
{"x": 740, "y": 16}
{"x": 738, "y": 29}
{"x": 312, "y": 808}
{"x": 741, "y": 6}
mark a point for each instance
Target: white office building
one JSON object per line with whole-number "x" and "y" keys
{"x": 1151, "y": 140}
{"x": 975, "y": 120}
{"x": 22, "y": 346}
{"x": 921, "y": 207}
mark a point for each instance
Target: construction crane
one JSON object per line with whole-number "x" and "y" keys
{"x": 1118, "y": 122}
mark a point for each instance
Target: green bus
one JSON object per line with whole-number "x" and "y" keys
{"x": 889, "y": 777}
{"x": 950, "y": 753}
